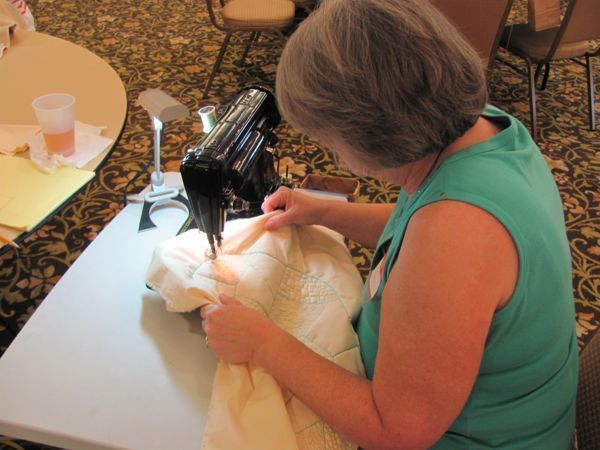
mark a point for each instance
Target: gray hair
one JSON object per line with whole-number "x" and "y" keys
{"x": 391, "y": 78}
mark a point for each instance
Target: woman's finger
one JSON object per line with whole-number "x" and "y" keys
{"x": 276, "y": 200}
{"x": 227, "y": 300}
{"x": 206, "y": 309}
{"x": 277, "y": 221}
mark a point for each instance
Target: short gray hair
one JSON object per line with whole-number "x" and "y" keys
{"x": 391, "y": 78}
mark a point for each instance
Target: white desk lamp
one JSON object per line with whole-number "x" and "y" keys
{"x": 162, "y": 108}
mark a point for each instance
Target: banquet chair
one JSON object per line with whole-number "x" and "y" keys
{"x": 588, "y": 396}
{"x": 481, "y": 23}
{"x": 247, "y": 17}
{"x": 572, "y": 39}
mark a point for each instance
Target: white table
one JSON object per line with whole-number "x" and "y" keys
{"x": 101, "y": 363}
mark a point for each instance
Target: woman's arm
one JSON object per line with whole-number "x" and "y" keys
{"x": 360, "y": 222}
{"x": 456, "y": 266}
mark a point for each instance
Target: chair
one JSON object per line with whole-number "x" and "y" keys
{"x": 251, "y": 17}
{"x": 480, "y": 22}
{"x": 588, "y": 396}
{"x": 572, "y": 39}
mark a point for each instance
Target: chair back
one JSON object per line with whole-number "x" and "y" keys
{"x": 582, "y": 21}
{"x": 588, "y": 396}
{"x": 480, "y": 22}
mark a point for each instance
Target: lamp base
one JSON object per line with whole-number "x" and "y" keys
{"x": 175, "y": 201}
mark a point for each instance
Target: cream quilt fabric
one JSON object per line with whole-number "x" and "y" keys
{"x": 304, "y": 280}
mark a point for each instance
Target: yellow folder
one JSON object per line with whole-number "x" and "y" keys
{"x": 28, "y": 195}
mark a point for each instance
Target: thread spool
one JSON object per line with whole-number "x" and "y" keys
{"x": 208, "y": 116}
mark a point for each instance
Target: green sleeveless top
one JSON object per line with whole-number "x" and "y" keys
{"x": 525, "y": 391}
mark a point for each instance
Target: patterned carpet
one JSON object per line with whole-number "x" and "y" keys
{"x": 171, "y": 45}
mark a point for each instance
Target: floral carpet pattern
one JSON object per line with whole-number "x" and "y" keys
{"x": 171, "y": 45}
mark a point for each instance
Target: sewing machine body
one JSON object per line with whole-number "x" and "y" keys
{"x": 232, "y": 167}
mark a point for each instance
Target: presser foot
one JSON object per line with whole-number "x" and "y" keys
{"x": 211, "y": 253}
{"x": 214, "y": 242}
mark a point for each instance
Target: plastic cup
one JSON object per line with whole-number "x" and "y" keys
{"x": 55, "y": 114}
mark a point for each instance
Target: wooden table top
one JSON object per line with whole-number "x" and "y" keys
{"x": 38, "y": 64}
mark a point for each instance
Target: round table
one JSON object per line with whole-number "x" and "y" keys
{"x": 37, "y": 64}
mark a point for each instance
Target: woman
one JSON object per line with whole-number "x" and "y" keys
{"x": 467, "y": 330}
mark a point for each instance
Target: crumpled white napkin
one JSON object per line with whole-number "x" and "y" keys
{"x": 88, "y": 144}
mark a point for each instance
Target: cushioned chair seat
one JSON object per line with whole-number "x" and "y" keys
{"x": 536, "y": 44}
{"x": 480, "y": 22}
{"x": 258, "y": 13}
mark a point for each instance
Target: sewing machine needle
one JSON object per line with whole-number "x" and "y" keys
{"x": 211, "y": 242}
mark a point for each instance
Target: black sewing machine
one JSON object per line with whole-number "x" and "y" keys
{"x": 232, "y": 167}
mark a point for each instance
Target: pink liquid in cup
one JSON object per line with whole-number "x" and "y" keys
{"x": 61, "y": 143}
{"x": 56, "y": 115}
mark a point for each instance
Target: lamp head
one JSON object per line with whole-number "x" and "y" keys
{"x": 162, "y": 106}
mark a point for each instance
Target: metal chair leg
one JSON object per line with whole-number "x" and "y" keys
{"x": 532, "y": 100}
{"x": 281, "y": 37}
{"x": 217, "y": 65}
{"x": 537, "y": 72}
{"x": 253, "y": 38}
{"x": 546, "y": 73}
{"x": 590, "y": 83}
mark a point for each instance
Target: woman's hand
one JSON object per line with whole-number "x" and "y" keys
{"x": 298, "y": 209}
{"x": 361, "y": 222}
{"x": 233, "y": 331}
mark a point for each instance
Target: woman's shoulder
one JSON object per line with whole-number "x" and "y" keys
{"x": 466, "y": 240}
